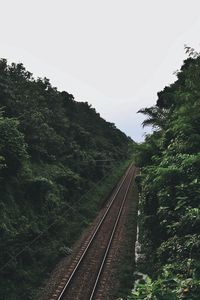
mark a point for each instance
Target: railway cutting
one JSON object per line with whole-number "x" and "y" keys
{"x": 87, "y": 276}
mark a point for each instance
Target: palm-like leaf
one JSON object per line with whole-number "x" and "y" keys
{"x": 156, "y": 116}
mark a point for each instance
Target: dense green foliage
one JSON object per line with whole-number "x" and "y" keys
{"x": 170, "y": 191}
{"x": 52, "y": 150}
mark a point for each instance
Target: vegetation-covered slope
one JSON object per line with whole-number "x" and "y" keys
{"x": 52, "y": 150}
{"x": 170, "y": 190}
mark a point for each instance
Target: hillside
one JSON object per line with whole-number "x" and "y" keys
{"x": 52, "y": 151}
{"x": 169, "y": 220}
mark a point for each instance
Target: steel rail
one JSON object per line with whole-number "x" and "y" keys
{"x": 94, "y": 234}
{"x": 110, "y": 242}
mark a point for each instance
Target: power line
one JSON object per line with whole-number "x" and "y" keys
{"x": 54, "y": 222}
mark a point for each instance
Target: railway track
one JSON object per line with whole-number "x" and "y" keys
{"x": 82, "y": 279}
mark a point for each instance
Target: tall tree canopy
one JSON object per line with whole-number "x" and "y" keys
{"x": 52, "y": 150}
{"x": 170, "y": 190}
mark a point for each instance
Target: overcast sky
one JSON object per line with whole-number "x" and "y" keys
{"x": 115, "y": 54}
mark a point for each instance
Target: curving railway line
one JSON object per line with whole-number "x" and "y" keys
{"x": 83, "y": 277}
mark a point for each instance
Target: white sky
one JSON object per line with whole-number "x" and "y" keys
{"x": 115, "y": 54}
